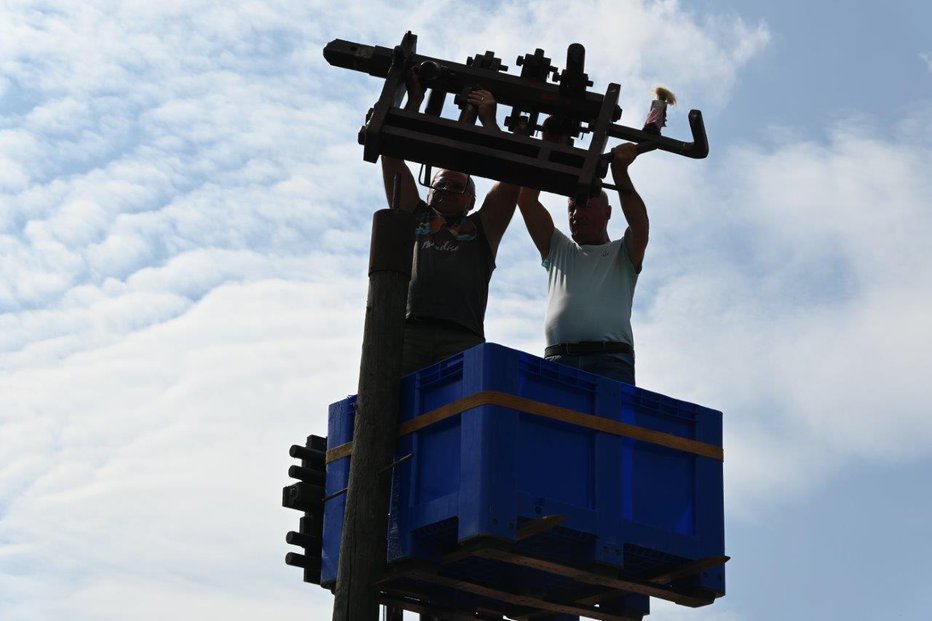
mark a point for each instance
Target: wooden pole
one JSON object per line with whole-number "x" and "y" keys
{"x": 363, "y": 546}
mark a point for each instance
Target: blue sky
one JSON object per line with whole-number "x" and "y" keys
{"x": 184, "y": 220}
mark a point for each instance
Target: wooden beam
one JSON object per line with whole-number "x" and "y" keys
{"x": 590, "y": 577}
{"x": 689, "y": 569}
{"x": 543, "y": 525}
{"x": 542, "y": 605}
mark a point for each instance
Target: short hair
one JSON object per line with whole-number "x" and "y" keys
{"x": 602, "y": 193}
{"x": 470, "y": 184}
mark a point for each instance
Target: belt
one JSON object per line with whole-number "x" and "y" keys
{"x": 588, "y": 347}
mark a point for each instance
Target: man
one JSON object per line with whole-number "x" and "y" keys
{"x": 454, "y": 252}
{"x": 591, "y": 278}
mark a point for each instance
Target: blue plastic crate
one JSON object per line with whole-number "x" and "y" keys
{"x": 486, "y": 471}
{"x": 339, "y": 432}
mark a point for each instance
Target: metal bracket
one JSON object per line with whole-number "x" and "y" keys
{"x": 429, "y": 139}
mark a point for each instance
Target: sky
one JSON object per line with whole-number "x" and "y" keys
{"x": 184, "y": 231}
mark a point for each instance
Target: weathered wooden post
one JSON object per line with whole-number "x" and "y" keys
{"x": 362, "y": 548}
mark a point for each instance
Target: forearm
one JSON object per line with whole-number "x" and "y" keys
{"x": 408, "y": 198}
{"x": 497, "y": 211}
{"x": 537, "y": 219}
{"x": 392, "y": 166}
{"x": 633, "y": 207}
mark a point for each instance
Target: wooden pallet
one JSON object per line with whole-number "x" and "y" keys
{"x": 425, "y": 587}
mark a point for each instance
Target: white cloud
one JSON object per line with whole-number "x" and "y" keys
{"x": 171, "y": 476}
{"x": 792, "y": 290}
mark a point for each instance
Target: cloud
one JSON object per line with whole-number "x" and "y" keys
{"x": 162, "y": 466}
{"x": 792, "y": 293}
{"x": 927, "y": 59}
{"x": 785, "y": 284}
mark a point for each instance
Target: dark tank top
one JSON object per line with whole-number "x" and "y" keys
{"x": 452, "y": 266}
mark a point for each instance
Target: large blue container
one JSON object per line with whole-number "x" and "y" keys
{"x": 490, "y": 469}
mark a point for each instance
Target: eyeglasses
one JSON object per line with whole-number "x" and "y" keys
{"x": 450, "y": 187}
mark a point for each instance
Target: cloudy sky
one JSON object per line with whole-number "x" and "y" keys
{"x": 184, "y": 223}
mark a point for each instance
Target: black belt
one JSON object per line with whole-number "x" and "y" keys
{"x": 588, "y": 347}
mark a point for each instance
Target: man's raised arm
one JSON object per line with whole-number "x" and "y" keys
{"x": 392, "y": 165}
{"x": 499, "y": 204}
{"x": 632, "y": 204}
{"x": 537, "y": 219}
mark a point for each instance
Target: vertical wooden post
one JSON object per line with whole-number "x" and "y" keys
{"x": 363, "y": 546}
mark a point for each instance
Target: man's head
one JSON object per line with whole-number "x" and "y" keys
{"x": 589, "y": 222}
{"x": 451, "y": 193}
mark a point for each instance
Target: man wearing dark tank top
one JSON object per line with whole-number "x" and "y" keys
{"x": 454, "y": 250}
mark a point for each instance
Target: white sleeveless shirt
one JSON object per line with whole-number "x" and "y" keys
{"x": 591, "y": 289}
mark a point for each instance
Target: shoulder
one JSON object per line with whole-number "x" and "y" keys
{"x": 559, "y": 238}
{"x": 561, "y": 247}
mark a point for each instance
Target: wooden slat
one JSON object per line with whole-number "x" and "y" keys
{"x": 511, "y": 598}
{"x": 544, "y": 524}
{"x": 589, "y": 577}
{"x": 397, "y": 582}
{"x": 688, "y": 569}
{"x": 388, "y": 599}
{"x": 469, "y": 548}
{"x": 599, "y": 597}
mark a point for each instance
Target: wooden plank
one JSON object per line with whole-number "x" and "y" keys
{"x": 689, "y": 569}
{"x": 511, "y": 598}
{"x": 410, "y": 605}
{"x": 390, "y": 585}
{"x": 544, "y": 524}
{"x": 469, "y": 548}
{"x": 600, "y": 598}
{"x": 589, "y": 577}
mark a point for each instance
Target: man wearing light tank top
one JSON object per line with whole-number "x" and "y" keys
{"x": 591, "y": 277}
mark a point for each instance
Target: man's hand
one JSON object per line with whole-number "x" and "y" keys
{"x": 485, "y": 104}
{"x": 622, "y": 157}
{"x": 415, "y": 90}
{"x": 555, "y": 129}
